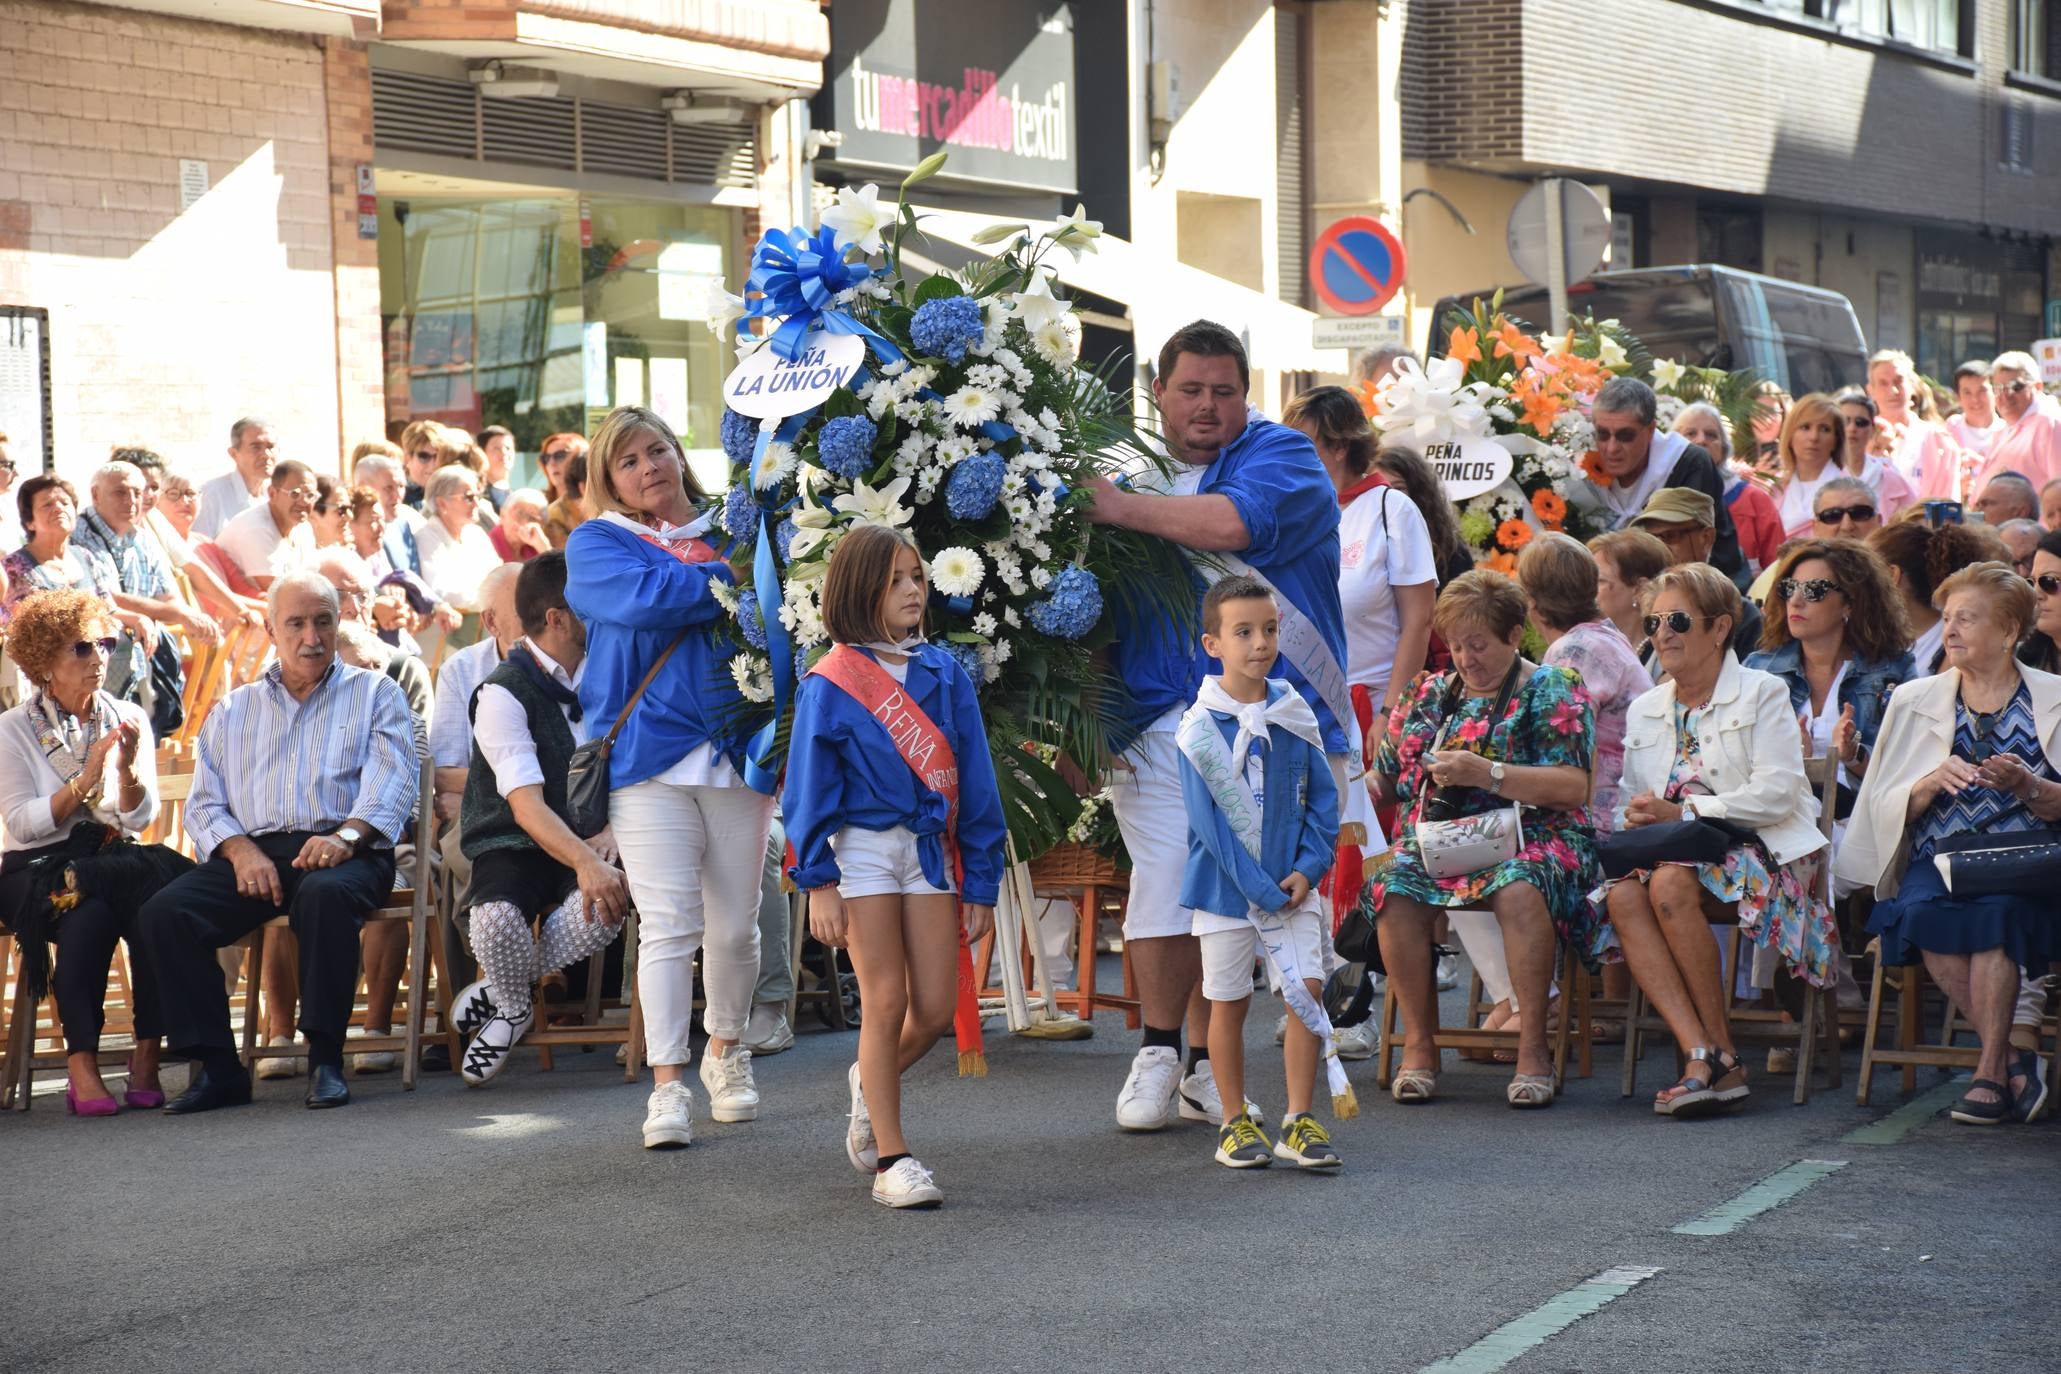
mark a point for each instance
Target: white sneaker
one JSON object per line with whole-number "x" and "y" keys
{"x": 1200, "y": 1100}
{"x": 487, "y": 1053}
{"x": 475, "y": 1003}
{"x": 1358, "y": 1042}
{"x": 669, "y": 1118}
{"x": 1147, "y": 1100}
{"x": 768, "y": 1032}
{"x": 1281, "y": 1029}
{"x": 278, "y": 1066}
{"x": 1448, "y": 972}
{"x": 907, "y": 1184}
{"x": 375, "y": 1061}
{"x": 732, "y": 1096}
{"x": 859, "y": 1147}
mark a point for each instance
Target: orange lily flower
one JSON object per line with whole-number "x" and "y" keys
{"x": 1464, "y": 347}
{"x": 1512, "y": 342}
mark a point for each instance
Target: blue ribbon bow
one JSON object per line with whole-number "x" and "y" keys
{"x": 798, "y": 277}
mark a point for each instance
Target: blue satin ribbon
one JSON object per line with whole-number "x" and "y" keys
{"x": 798, "y": 276}
{"x": 765, "y": 580}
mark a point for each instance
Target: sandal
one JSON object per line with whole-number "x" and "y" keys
{"x": 1700, "y": 1094}
{"x": 1971, "y": 1113}
{"x": 1414, "y": 1085}
{"x": 1530, "y": 1090}
{"x": 2030, "y": 1105}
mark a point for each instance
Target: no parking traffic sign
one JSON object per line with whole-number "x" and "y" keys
{"x": 1356, "y": 266}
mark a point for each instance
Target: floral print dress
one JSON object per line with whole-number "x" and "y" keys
{"x": 1547, "y": 723}
{"x": 1779, "y": 906}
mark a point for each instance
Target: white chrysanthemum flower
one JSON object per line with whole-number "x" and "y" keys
{"x": 725, "y": 594}
{"x": 986, "y": 375}
{"x": 971, "y": 407}
{"x": 1019, "y": 508}
{"x": 753, "y": 677}
{"x": 1041, "y": 577}
{"x": 1011, "y": 618}
{"x": 984, "y": 625}
{"x": 1058, "y": 341}
{"x": 957, "y": 571}
{"x": 955, "y": 450}
{"x": 1003, "y": 648}
{"x": 773, "y": 467}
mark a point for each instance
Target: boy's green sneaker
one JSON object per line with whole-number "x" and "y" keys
{"x": 1308, "y": 1144}
{"x": 1241, "y": 1146}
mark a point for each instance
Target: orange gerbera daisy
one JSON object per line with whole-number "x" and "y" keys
{"x": 1513, "y": 534}
{"x": 1505, "y": 563}
{"x": 1548, "y": 506}
{"x": 1464, "y": 346}
{"x": 1592, "y": 468}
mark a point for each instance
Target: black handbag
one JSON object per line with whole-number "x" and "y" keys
{"x": 1692, "y": 841}
{"x": 2017, "y": 863}
{"x": 1349, "y": 991}
{"x": 586, "y": 774}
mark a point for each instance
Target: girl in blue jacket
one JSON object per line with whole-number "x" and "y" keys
{"x": 872, "y": 838}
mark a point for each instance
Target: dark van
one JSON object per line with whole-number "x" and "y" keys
{"x": 1805, "y": 337}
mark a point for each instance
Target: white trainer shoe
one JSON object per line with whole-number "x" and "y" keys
{"x": 767, "y": 1032}
{"x": 732, "y": 1096}
{"x": 375, "y": 1061}
{"x": 1448, "y": 972}
{"x": 1359, "y": 1042}
{"x": 1147, "y": 1100}
{"x": 279, "y": 1066}
{"x": 859, "y": 1146}
{"x": 907, "y": 1184}
{"x": 669, "y": 1119}
{"x": 1200, "y": 1100}
{"x": 487, "y": 1053}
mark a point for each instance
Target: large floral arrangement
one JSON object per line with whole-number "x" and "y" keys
{"x": 973, "y": 426}
{"x": 1532, "y": 396}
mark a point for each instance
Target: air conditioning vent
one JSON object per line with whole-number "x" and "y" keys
{"x": 623, "y": 139}
{"x": 421, "y": 114}
{"x": 716, "y": 154}
{"x": 537, "y": 133}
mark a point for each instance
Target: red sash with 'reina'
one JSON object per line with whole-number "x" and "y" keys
{"x": 928, "y": 753}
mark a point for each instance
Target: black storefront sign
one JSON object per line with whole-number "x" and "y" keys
{"x": 991, "y": 82}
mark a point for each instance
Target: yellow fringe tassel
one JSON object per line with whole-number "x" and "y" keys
{"x": 1345, "y": 1106}
{"x": 974, "y": 1064}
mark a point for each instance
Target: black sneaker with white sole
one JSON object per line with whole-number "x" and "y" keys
{"x": 487, "y": 1052}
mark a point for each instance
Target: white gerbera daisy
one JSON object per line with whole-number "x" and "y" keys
{"x": 773, "y": 467}
{"x": 984, "y": 625}
{"x": 754, "y": 680}
{"x": 971, "y": 406}
{"x": 1058, "y": 341}
{"x": 725, "y": 594}
{"x": 957, "y": 571}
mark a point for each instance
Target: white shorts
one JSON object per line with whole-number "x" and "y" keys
{"x": 880, "y": 863}
{"x": 1146, "y": 798}
{"x": 1228, "y": 955}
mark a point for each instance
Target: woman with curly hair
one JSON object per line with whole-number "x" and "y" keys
{"x": 1920, "y": 557}
{"x": 78, "y": 780}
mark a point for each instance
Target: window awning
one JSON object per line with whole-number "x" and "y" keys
{"x": 1163, "y": 294}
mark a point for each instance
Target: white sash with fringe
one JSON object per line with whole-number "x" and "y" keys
{"x": 1223, "y": 774}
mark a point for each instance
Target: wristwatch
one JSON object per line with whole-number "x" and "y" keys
{"x": 1496, "y": 778}
{"x": 352, "y": 836}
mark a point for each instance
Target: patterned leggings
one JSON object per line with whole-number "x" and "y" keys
{"x": 513, "y": 962}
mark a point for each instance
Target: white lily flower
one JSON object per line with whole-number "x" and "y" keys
{"x": 1077, "y": 233}
{"x": 858, "y": 217}
{"x": 812, "y": 523}
{"x": 875, "y": 507}
{"x": 719, "y": 308}
{"x": 1667, "y": 374}
{"x": 1036, "y": 306}
{"x": 1610, "y": 353}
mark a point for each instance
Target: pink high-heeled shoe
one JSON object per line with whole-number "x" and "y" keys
{"x": 142, "y": 1099}
{"x": 92, "y": 1106}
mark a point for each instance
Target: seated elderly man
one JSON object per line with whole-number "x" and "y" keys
{"x": 303, "y": 781}
{"x": 527, "y": 861}
{"x": 274, "y": 535}
{"x": 518, "y": 535}
{"x": 1685, "y": 521}
{"x": 2007, "y": 497}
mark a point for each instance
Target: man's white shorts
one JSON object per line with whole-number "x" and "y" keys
{"x": 880, "y": 863}
{"x": 1146, "y": 798}
{"x": 1228, "y": 954}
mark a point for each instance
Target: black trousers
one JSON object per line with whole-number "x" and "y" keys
{"x": 85, "y": 939}
{"x": 184, "y": 924}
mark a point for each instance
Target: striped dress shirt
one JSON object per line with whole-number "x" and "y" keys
{"x": 270, "y": 763}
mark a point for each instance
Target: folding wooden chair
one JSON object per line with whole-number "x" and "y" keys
{"x": 1573, "y": 1003}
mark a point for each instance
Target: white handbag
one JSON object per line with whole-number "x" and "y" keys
{"x": 1468, "y": 844}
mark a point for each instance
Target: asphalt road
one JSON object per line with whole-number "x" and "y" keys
{"x": 521, "y": 1227}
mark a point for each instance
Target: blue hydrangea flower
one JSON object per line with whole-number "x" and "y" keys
{"x": 740, "y": 435}
{"x": 967, "y": 657}
{"x": 748, "y": 620}
{"x": 947, "y": 327}
{"x": 1072, "y": 606}
{"x": 974, "y": 486}
{"x": 846, "y": 446}
{"x": 783, "y": 539}
{"x": 740, "y": 515}
{"x": 801, "y": 665}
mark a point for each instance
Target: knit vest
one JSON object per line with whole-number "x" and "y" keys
{"x": 487, "y": 820}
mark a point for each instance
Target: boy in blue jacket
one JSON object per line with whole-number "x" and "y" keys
{"x": 1262, "y": 829}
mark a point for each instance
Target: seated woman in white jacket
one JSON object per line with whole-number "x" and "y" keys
{"x": 1971, "y": 749}
{"x": 1715, "y": 742}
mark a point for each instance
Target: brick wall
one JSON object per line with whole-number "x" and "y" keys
{"x": 360, "y": 381}
{"x": 168, "y": 324}
{"x": 1705, "y": 98}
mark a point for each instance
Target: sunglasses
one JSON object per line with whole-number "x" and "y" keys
{"x": 2015, "y": 387}
{"x": 1815, "y": 590}
{"x": 1623, "y": 436}
{"x": 556, "y": 455}
{"x": 2048, "y": 583}
{"x": 1859, "y": 422}
{"x": 6, "y": 465}
{"x": 1832, "y": 515}
{"x": 425, "y": 455}
{"x": 471, "y": 498}
{"x": 86, "y": 648}
{"x": 1678, "y": 621}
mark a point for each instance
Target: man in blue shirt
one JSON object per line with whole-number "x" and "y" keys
{"x": 1247, "y": 495}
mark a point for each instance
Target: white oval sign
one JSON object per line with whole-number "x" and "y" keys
{"x": 768, "y": 386}
{"x": 1470, "y": 467}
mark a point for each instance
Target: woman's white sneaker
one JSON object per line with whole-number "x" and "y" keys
{"x": 669, "y": 1118}
{"x": 907, "y": 1184}
{"x": 858, "y": 1132}
{"x": 732, "y": 1096}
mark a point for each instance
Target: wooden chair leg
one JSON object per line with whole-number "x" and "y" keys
{"x": 1584, "y": 1021}
{"x": 253, "y": 975}
{"x": 1806, "y": 1045}
{"x": 1634, "y": 1009}
{"x": 1385, "y": 1058}
{"x": 1910, "y": 1005}
{"x": 1088, "y": 923}
{"x": 1869, "y": 1032}
{"x": 418, "y": 995}
{"x": 1828, "y": 1014}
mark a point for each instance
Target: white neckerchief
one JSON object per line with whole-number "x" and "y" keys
{"x": 669, "y": 534}
{"x": 906, "y": 646}
{"x": 1288, "y": 710}
{"x": 1661, "y": 456}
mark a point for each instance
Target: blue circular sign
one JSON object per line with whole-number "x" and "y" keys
{"x": 1356, "y": 266}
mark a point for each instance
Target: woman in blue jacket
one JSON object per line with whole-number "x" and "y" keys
{"x": 692, "y": 835}
{"x": 886, "y": 728}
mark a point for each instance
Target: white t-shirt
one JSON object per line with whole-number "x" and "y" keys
{"x": 1926, "y": 648}
{"x": 1799, "y": 502}
{"x": 1383, "y": 544}
{"x": 254, "y": 543}
{"x": 502, "y": 729}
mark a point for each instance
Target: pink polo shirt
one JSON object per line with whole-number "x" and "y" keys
{"x": 2031, "y": 448}
{"x": 1933, "y": 462}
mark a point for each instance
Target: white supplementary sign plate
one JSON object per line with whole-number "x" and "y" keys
{"x": 768, "y": 386}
